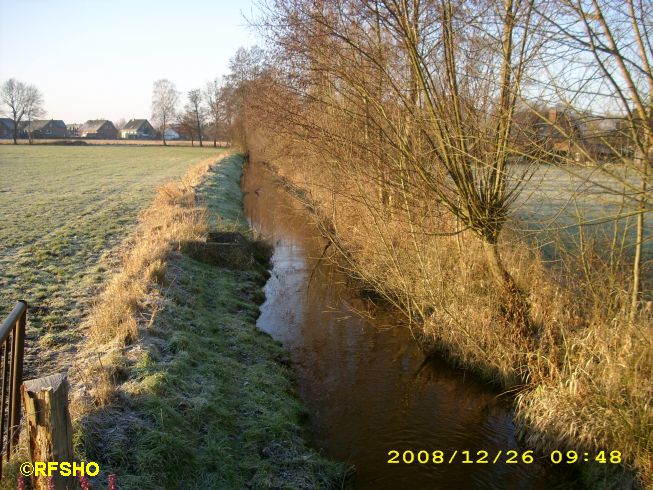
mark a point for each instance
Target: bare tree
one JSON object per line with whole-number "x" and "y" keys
{"x": 165, "y": 99}
{"x": 33, "y": 108}
{"x": 197, "y": 111}
{"x": 120, "y": 123}
{"x": 468, "y": 174}
{"x": 18, "y": 97}
{"x": 245, "y": 67}
{"x": 187, "y": 126}
{"x": 215, "y": 97}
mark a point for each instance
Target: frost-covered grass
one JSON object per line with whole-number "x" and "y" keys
{"x": 62, "y": 208}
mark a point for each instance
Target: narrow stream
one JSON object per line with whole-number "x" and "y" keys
{"x": 364, "y": 379}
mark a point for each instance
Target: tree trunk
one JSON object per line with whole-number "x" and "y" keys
{"x": 498, "y": 269}
{"x": 517, "y": 308}
{"x": 199, "y": 126}
{"x": 163, "y": 132}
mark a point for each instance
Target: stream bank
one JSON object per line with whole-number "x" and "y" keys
{"x": 368, "y": 387}
{"x": 205, "y": 399}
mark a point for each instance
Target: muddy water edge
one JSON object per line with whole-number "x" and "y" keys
{"x": 367, "y": 385}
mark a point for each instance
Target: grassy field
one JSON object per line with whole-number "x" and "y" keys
{"x": 62, "y": 209}
{"x": 557, "y": 200}
{"x": 571, "y": 213}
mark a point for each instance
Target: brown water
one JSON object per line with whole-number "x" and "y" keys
{"x": 364, "y": 380}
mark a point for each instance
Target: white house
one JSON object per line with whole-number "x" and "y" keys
{"x": 170, "y": 134}
{"x": 138, "y": 129}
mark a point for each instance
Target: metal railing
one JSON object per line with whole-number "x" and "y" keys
{"x": 12, "y": 345}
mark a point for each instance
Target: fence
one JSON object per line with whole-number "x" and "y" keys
{"x": 12, "y": 345}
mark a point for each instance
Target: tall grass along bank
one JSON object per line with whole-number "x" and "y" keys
{"x": 183, "y": 391}
{"x": 584, "y": 382}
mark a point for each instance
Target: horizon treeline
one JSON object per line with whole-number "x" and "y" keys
{"x": 213, "y": 111}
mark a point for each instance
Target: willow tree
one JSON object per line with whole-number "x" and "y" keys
{"x": 416, "y": 91}
{"x": 467, "y": 62}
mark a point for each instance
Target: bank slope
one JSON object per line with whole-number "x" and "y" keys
{"x": 207, "y": 401}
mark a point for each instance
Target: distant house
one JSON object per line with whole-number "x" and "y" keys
{"x": 53, "y": 128}
{"x": 600, "y": 151}
{"x": 559, "y": 133}
{"x": 100, "y": 129}
{"x": 583, "y": 136}
{"x": 138, "y": 129}
{"x": 6, "y": 128}
{"x": 171, "y": 134}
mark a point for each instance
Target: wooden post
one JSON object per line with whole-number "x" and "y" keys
{"x": 49, "y": 427}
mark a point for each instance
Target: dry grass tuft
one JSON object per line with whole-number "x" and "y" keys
{"x": 174, "y": 217}
{"x": 598, "y": 395}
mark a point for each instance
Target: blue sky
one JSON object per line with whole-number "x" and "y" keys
{"x": 98, "y": 58}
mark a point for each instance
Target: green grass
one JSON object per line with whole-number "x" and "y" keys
{"x": 224, "y": 198}
{"x": 209, "y": 403}
{"x": 62, "y": 207}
